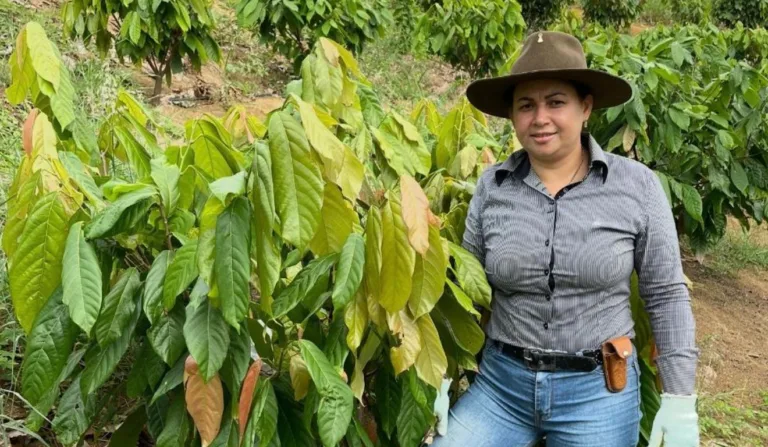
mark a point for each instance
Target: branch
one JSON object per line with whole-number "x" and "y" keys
{"x": 168, "y": 240}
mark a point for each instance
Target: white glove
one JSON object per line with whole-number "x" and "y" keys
{"x": 676, "y": 421}
{"x": 441, "y": 407}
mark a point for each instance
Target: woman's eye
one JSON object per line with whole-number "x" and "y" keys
{"x": 556, "y": 103}
{"x": 525, "y": 107}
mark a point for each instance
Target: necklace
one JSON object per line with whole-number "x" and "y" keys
{"x": 577, "y": 168}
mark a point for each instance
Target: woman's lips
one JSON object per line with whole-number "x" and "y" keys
{"x": 542, "y": 138}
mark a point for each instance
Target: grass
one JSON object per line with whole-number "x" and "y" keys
{"x": 739, "y": 250}
{"x": 721, "y": 420}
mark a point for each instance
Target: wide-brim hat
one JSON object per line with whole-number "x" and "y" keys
{"x": 548, "y": 55}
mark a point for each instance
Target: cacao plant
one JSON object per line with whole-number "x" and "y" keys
{"x": 293, "y": 281}
{"x": 162, "y": 33}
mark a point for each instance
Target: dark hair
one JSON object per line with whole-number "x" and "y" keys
{"x": 582, "y": 90}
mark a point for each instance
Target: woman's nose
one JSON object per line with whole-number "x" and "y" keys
{"x": 541, "y": 117}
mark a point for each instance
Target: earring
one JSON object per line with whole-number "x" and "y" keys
{"x": 585, "y": 125}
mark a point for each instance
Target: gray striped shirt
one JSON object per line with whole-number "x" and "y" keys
{"x": 560, "y": 267}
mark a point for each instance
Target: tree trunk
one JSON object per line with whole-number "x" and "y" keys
{"x": 158, "y": 89}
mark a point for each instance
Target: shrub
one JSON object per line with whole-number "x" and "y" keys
{"x": 691, "y": 11}
{"x": 752, "y": 13}
{"x": 162, "y": 33}
{"x": 540, "y": 14}
{"x": 473, "y": 35}
{"x": 294, "y": 26}
{"x": 618, "y": 13}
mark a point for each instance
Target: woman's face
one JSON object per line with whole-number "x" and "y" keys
{"x": 548, "y": 116}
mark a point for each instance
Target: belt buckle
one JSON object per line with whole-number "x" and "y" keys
{"x": 533, "y": 360}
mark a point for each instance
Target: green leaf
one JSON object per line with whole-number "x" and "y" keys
{"x": 372, "y": 270}
{"x": 35, "y": 270}
{"x": 206, "y": 242}
{"x": 233, "y": 263}
{"x": 119, "y": 306}
{"x": 680, "y": 118}
{"x": 103, "y": 223}
{"x": 177, "y": 424}
{"x": 166, "y": 178}
{"x": 388, "y": 398}
{"x": 42, "y": 54}
{"x": 35, "y": 419}
{"x": 181, "y": 272}
{"x": 267, "y": 254}
{"x": 236, "y": 363}
{"x": 225, "y": 187}
{"x": 170, "y": 381}
{"x": 305, "y": 281}
{"x": 81, "y": 177}
{"x": 692, "y": 202}
{"x": 338, "y": 220}
{"x": 81, "y": 279}
{"x": 265, "y": 413}
{"x": 129, "y": 431}
{"x": 461, "y": 325}
{"x": 411, "y": 420}
{"x": 461, "y": 297}
{"x": 428, "y": 276}
{"x": 48, "y": 347}
{"x": 471, "y": 276}
{"x": 101, "y": 362}
{"x": 207, "y": 337}
{"x": 166, "y": 335}
{"x": 298, "y": 185}
{"x": 397, "y": 257}
{"x": 739, "y": 177}
{"x": 403, "y": 146}
{"x": 73, "y": 414}
{"x": 135, "y": 28}
{"x": 349, "y": 273}
{"x": 335, "y": 409}
{"x": 153, "y": 288}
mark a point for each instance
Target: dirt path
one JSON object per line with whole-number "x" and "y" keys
{"x": 732, "y": 332}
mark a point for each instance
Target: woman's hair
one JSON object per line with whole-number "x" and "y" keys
{"x": 581, "y": 90}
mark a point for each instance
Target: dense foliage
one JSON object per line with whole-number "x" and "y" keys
{"x": 160, "y": 33}
{"x": 298, "y": 281}
{"x": 540, "y": 14}
{"x": 751, "y": 13}
{"x": 697, "y": 118}
{"x": 691, "y": 11}
{"x": 294, "y": 26}
{"x": 619, "y": 13}
{"x": 476, "y": 36}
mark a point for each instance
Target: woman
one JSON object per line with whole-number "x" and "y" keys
{"x": 559, "y": 228}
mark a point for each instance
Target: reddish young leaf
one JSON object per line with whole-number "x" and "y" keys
{"x": 246, "y": 395}
{"x": 415, "y": 209}
{"x": 205, "y": 401}
{"x": 26, "y": 132}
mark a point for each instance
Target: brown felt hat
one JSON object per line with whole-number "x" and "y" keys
{"x": 548, "y": 55}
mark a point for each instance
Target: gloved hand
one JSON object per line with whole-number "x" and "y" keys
{"x": 676, "y": 421}
{"x": 441, "y": 406}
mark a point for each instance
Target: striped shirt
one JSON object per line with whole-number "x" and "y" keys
{"x": 560, "y": 266}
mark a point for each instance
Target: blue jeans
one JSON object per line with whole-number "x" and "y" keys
{"x": 509, "y": 405}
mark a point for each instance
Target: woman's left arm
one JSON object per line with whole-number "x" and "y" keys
{"x": 663, "y": 288}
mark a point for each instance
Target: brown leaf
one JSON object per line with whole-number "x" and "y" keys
{"x": 246, "y": 395}
{"x": 368, "y": 422}
{"x": 205, "y": 401}
{"x": 415, "y": 209}
{"x": 26, "y": 132}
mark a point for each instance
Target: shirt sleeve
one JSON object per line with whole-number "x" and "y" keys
{"x": 473, "y": 228}
{"x": 662, "y": 287}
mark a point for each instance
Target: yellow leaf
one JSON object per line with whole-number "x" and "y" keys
{"x": 300, "y": 377}
{"x": 628, "y": 139}
{"x": 372, "y": 270}
{"x": 465, "y": 162}
{"x": 415, "y": 213}
{"x": 358, "y": 380}
{"x": 205, "y": 401}
{"x": 404, "y": 355}
{"x": 43, "y": 56}
{"x": 331, "y": 51}
{"x": 397, "y": 257}
{"x": 336, "y": 222}
{"x": 428, "y": 276}
{"x": 431, "y": 363}
{"x": 356, "y": 319}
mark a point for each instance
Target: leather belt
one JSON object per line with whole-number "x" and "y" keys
{"x": 540, "y": 360}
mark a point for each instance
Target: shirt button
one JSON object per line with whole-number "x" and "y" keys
{"x": 549, "y": 297}
{"x": 546, "y": 272}
{"x": 546, "y": 243}
{"x": 546, "y": 325}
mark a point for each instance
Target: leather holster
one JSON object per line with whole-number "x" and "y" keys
{"x": 615, "y": 354}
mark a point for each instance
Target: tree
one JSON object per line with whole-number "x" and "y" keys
{"x": 161, "y": 33}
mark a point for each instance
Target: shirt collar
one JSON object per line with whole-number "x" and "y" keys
{"x": 518, "y": 164}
